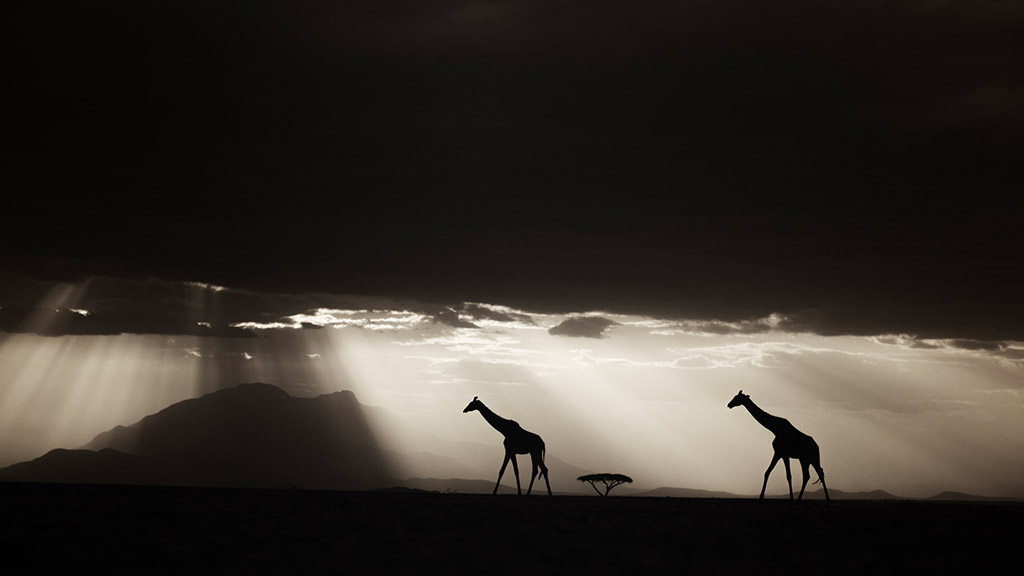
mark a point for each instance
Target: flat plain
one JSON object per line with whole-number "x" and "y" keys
{"x": 65, "y": 528}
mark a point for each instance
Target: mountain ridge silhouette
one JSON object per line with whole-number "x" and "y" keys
{"x": 257, "y": 435}
{"x": 252, "y": 435}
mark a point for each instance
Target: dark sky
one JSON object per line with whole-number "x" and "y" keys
{"x": 856, "y": 166}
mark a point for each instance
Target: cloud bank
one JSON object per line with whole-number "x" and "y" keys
{"x": 582, "y": 327}
{"x": 853, "y": 167}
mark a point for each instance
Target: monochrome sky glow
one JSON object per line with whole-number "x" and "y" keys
{"x": 608, "y": 391}
{"x": 602, "y": 218}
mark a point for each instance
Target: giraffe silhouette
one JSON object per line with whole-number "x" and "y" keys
{"x": 517, "y": 441}
{"x": 789, "y": 443}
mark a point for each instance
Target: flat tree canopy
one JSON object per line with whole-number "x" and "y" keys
{"x": 609, "y": 480}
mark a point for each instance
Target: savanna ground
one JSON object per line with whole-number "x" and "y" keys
{"x": 78, "y": 529}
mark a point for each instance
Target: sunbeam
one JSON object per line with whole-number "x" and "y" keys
{"x": 626, "y": 394}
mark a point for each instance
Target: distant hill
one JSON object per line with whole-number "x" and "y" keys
{"x": 883, "y": 495}
{"x": 962, "y": 497}
{"x": 843, "y": 495}
{"x": 666, "y": 492}
{"x": 257, "y": 435}
{"x": 833, "y": 494}
{"x": 253, "y": 435}
{"x": 106, "y": 466}
{"x": 818, "y": 494}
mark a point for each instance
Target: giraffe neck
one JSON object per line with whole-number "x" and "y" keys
{"x": 763, "y": 418}
{"x": 497, "y": 422}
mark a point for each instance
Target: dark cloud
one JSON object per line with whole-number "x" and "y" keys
{"x": 104, "y": 306}
{"x": 582, "y": 327}
{"x": 151, "y": 320}
{"x": 451, "y": 318}
{"x": 979, "y": 345}
{"x": 854, "y": 167}
{"x": 910, "y": 342}
{"x": 1014, "y": 355}
{"x": 465, "y": 314}
{"x": 478, "y": 312}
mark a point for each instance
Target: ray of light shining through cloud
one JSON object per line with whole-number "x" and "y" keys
{"x": 647, "y": 397}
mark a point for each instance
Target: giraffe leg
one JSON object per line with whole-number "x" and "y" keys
{"x": 501, "y": 473}
{"x": 804, "y": 465}
{"x": 533, "y": 476}
{"x": 515, "y": 468}
{"x": 537, "y": 460}
{"x": 789, "y": 477}
{"x": 544, "y": 471}
{"x": 775, "y": 460}
{"x": 821, "y": 478}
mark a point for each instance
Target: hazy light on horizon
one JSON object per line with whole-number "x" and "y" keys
{"x": 646, "y": 399}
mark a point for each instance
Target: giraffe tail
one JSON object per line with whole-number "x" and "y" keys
{"x": 821, "y": 476}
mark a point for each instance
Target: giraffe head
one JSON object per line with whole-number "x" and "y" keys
{"x": 474, "y": 405}
{"x": 738, "y": 400}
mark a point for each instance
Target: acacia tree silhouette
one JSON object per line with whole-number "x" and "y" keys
{"x": 609, "y": 480}
{"x": 788, "y": 443}
{"x": 517, "y": 441}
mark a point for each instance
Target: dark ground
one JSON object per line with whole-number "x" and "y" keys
{"x": 67, "y": 528}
